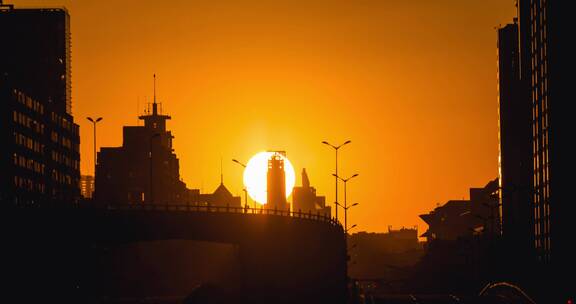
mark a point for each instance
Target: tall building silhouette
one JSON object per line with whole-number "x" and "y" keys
{"x": 145, "y": 168}
{"x": 40, "y": 141}
{"x": 276, "y": 183}
{"x": 515, "y": 159}
{"x": 304, "y": 198}
{"x": 543, "y": 57}
{"x": 35, "y": 54}
{"x": 544, "y": 54}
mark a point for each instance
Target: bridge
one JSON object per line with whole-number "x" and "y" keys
{"x": 286, "y": 257}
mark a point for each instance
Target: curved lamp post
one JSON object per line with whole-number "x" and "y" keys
{"x": 244, "y": 188}
{"x": 94, "y": 122}
{"x": 336, "y": 148}
{"x": 346, "y": 207}
{"x": 353, "y": 226}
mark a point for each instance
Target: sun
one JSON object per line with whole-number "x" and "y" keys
{"x": 255, "y": 176}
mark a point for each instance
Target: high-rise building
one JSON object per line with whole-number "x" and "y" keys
{"x": 276, "y": 183}
{"x": 545, "y": 55}
{"x": 304, "y": 198}
{"x": 35, "y": 54}
{"x": 144, "y": 169}
{"x": 40, "y": 141}
{"x": 515, "y": 159}
{"x": 534, "y": 55}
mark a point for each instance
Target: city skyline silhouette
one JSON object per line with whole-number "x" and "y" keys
{"x": 463, "y": 155}
{"x": 374, "y": 73}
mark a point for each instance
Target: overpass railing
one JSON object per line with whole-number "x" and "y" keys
{"x": 218, "y": 209}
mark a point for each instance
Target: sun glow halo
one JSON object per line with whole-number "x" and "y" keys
{"x": 255, "y": 176}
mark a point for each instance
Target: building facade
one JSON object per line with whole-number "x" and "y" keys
{"x": 40, "y": 155}
{"x": 545, "y": 55}
{"x": 36, "y": 56}
{"x": 535, "y": 51}
{"x": 515, "y": 159}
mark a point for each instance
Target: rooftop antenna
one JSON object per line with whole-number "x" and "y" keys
{"x": 154, "y": 105}
{"x": 154, "y": 87}
{"x": 221, "y": 172}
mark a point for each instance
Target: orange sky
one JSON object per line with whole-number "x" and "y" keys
{"x": 411, "y": 83}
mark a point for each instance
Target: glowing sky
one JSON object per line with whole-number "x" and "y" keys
{"x": 411, "y": 83}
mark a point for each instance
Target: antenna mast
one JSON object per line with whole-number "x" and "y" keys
{"x": 154, "y": 105}
{"x": 154, "y": 87}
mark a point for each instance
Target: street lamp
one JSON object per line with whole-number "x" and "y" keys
{"x": 346, "y": 207}
{"x": 244, "y": 189}
{"x": 350, "y": 228}
{"x": 94, "y": 122}
{"x": 345, "y": 216}
{"x": 336, "y": 172}
{"x": 151, "y": 182}
{"x": 240, "y": 163}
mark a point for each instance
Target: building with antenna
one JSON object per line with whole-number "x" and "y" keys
{"x": 221, "y": 197}
{"x": 145, "y": 168}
